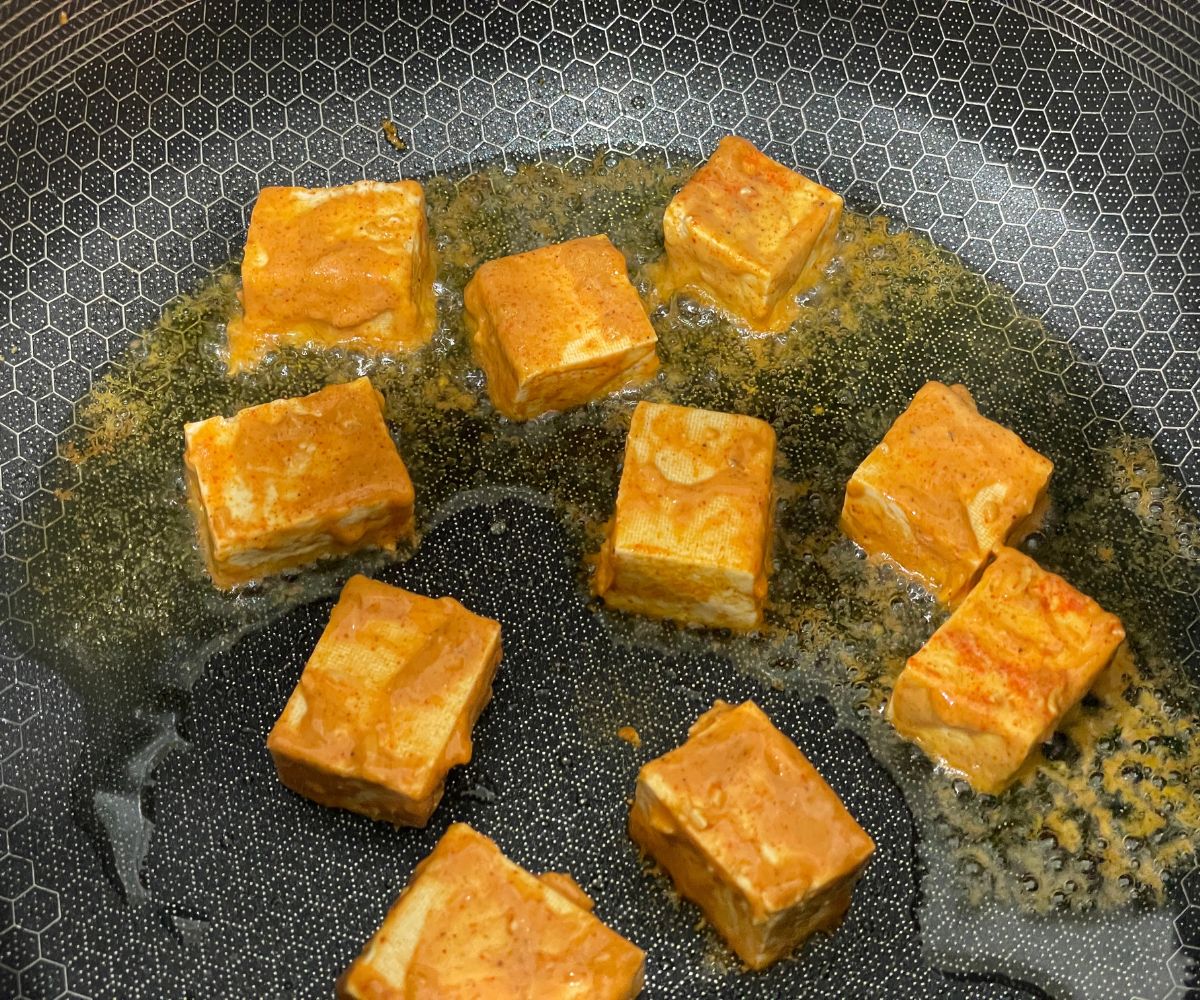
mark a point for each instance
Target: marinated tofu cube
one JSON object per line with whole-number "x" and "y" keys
{"x": 748, "y": 235}
{"x": 471, "y": 924}
{"x": 347, "y": 267}
{"x": 997, "y": 678}
{"x": 943, "y": 490}
{"x": 282, "y": 484}
{"x": 691, "y": 534}
{"x": 557, "y": 327}
{"x": 386, "y": 703}
{"x": 750, "y": 832}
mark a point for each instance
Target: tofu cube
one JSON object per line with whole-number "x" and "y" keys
{"x": 997, "y": 678}
{"x": 346, "y": 267}
{"x": 282, "y": 484}
{"x": 943, "y": 490}
{"x": 691, "y": 534}
{"x": 750, "y": 832}
{"x": 748, "y": 235}
{"x": 386, "y": 703}
{"x": 471, "y": 924}
{"x": 557, "y": 327}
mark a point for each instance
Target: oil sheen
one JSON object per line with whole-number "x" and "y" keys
{"x": 1101, "y": 815}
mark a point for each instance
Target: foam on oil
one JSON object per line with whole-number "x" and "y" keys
{"x": 121, "y": 604}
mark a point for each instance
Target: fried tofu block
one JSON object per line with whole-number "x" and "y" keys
{"x": 386, "y": 703}
{"x": 691, "y": 534}
{"x": 997, "y": 678}
{"x": 750, "y": 832}
{"x": 943, "y": 490}
{"x": 748, "y": 235}
{"x": 471, "y": 924}
{"x": 557, "y": 327}
{"x": 335, "y": 267}
{"x": 282, "y": 484}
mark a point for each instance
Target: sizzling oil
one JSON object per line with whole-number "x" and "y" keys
{"x": 121, "y": 603}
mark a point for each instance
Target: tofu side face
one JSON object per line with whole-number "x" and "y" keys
{"x": 690, "y": 537}
{"x": 749, "y": 234}
{"x": 998, "y": 677}
{"x": 749, "y": 830}
{"x": 473, "y": 924}
{"x": 387, "y": 701}
{"x": 282, "y": 484}
{"x": 557, "y": 327}
{"x": 344, "y": 266}
{"x": 943, "y": 490}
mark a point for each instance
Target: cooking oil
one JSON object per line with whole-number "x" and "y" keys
{"x": 1103, "y": 812}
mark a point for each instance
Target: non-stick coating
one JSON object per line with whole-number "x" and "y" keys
{"x": 1055, "y": 147}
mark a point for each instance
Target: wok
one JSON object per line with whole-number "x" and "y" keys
{"x": 1055, "y": 146}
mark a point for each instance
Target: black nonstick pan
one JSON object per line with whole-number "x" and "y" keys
{"x": 146, "y": 848}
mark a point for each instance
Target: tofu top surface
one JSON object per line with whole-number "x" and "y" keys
{"x": 339, "y": 255}
{"x": 961, "y": 480}
{"x": 472, "y": 923}
{"x": 295, "y": 464}
{"x": 561, "y": 305}
{"x": 696, "y": 486}
{"x": 757, "y": 808}
{"x": 385, "y": 691}
{"x": 1019, "y": 651}
{"x": 753, "y": 206}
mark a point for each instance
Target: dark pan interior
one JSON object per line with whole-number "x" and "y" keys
{"x": 1055, "y": 147}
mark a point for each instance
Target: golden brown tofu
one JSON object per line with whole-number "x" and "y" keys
{"x": 557, "y": 327}
{"x": 386, "y": 703}
{"x": 472, "y": 925}
{"x": 691, "y": 534}
{"x": 996, "y": 679}
{"x": 282, "y": 484}
{"x": 943, "y": 490}
{"x": 748, "y": 235}
{"x": 750, "y": 832}
{"x": 335, "y": 267}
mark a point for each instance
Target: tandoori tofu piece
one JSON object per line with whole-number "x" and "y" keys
{"x": 997, "y": 678}
{"x": 387, "y": 702}
{"x": 557, "y": 327}
{"x": 282, "y": 484}
{"x": 472, "y": 924}
{"x": 332, "y": 267}
{"x": 750, "y": 832}
{"x": 748, "y": 235}
{"x": 943, "y": 490}
{"x": 690, "y": 538}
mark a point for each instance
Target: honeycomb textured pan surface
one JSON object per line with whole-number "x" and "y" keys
{"x": 1055, "y": 147}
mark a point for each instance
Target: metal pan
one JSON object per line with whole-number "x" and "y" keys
{"x": 147, "y": 850}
